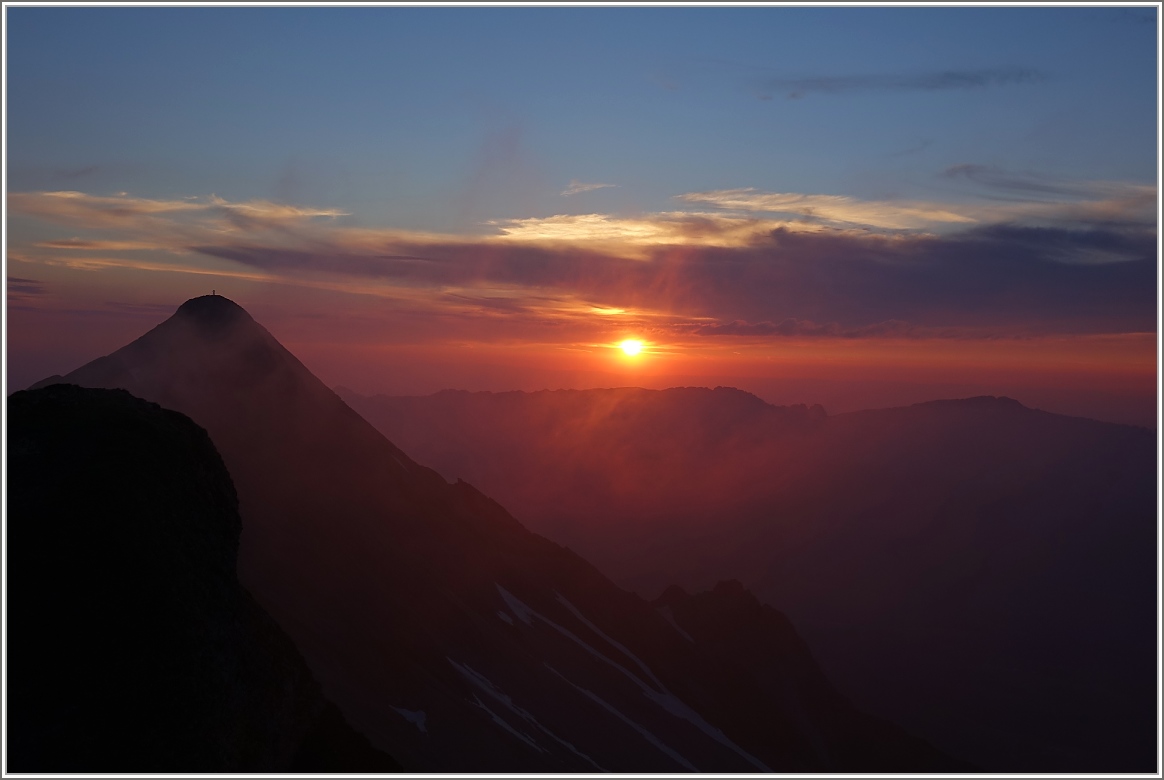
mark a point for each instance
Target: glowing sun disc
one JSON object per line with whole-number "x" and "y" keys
{"x": 632, "y": 346}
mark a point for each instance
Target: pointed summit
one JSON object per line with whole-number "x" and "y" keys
{"x": 213, "y": 312}
{"x": 208, "y": 346}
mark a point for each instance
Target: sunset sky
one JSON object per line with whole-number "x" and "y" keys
{"x": 857, "y": 207}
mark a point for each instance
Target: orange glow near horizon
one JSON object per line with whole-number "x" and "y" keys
{"x": 1103, "y": 376}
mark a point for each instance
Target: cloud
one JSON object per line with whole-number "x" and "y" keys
{"x": 83, "y": 209}
{"x": 578, "y": 186}
{"x": 1034, "y": 184}
{"x": 91, "y": 245}
{"x": 266, "y": 214}
{"x": 689, "y": 274}
{"x": 999, "y": 278}
{"x": 22, "y": 287}
{"x": 795, "y": 327}
{"x": 1063, "y": 203}
{"x": 147, "y": 216}
{"x": 656, "y": 229}
{"x": 801, "y": 329}
{"x": 915, "y": 82}
{"x": 894, "y": 215}
{"x": 1032, "y": 199}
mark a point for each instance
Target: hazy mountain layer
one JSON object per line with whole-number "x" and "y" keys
{"x": 982, "y": 572}
{"x": 447, "y": 632}
{"x": 131, "y": 645}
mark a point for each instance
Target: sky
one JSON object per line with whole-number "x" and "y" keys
{"x": 853, "y": 206}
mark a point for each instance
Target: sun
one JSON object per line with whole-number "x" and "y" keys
{"x": 632, "y": 346}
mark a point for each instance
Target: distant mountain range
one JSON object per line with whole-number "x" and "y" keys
{"x": 451, "y": 636}
{"x": 983, "y": 573}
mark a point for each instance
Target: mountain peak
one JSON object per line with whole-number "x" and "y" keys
{"x": 213, "y": 312}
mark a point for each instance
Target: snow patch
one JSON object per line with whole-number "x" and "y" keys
{"x": 648, "y": 736}
{"x": 527, "y": 614}
{"x": 610, "y": 641}
{"x": 501, "y": 722}
{"x": 483, "y": 682}
{"x": 520, "y": 610}
{"x": 415, "y": 717}
{"x": 664, "y": 698}
{"x": 505, "y": 616}
{"x": 667, "y": 700}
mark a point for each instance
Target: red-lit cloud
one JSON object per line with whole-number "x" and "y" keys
{"x": 857, "y": 269}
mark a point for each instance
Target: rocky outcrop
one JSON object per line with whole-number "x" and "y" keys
{"x": 131, "y": 645}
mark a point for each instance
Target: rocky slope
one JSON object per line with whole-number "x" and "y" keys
{"x": 131, "y": 646}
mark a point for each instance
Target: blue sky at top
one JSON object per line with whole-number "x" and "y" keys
{"x": 442, "y": 119}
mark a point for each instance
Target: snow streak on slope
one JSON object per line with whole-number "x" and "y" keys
{"x": 415, "y": 717}
{"x": 668, "y": 700}
{"x": 609, "y": 640}
{"x": 526, "y": 615}
{"x": 483, "y": 682}
{"x": 664, "y": 698}
{"x": 500, "y": 721}
{"x": 648, "y": 736}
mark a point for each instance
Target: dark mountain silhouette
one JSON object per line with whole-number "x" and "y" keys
{"x": 978, "y": 571}
{"x": 132, "y": 647}
{"x": 445, "y": 631}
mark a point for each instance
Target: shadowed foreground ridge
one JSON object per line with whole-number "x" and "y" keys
{"x": 450, "y": 635}
{"x": 132, "y": 646}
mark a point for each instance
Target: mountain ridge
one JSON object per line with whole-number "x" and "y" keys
{"x": 423, "y": 603}
{"x": 899, "y": 540}
{"x": 813, "y": 409}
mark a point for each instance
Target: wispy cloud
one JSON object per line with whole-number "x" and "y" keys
{"x": 21, "y": 287}
{"x": 800, "y": 329}
{"x": 672, "y": 228}
{"x": 1009, "y": 198}
{"x": 894, "y": 215}
{"x": 696, "y": 273}
{"x": 84, "y": 210}
{"x": 1034, "y": 199}
{"x": 579, "y": 186}
{"x": 1030, "y": 184}
{"x": 92, "y": 245}
{"x": 905, "y": 82}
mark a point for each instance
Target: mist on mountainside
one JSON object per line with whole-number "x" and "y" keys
{"x": 955, "y": 563}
